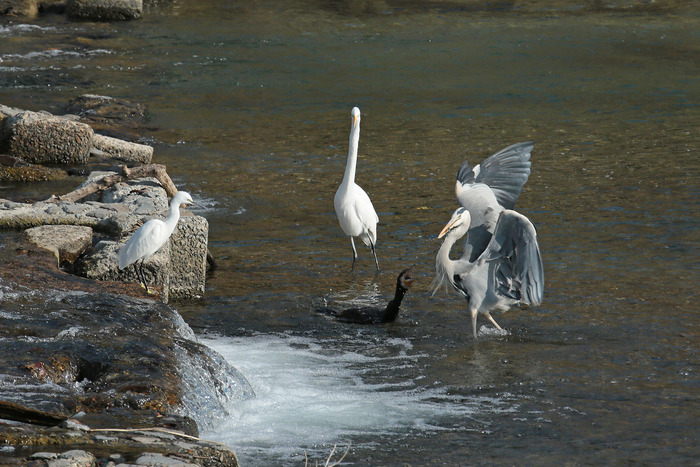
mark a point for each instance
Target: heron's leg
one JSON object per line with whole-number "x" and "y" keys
{"x": 354, "y": 253}
{"x": 473, "y": 312}
{"x": 371, "y": 245}
{"x": 488, "y": 315}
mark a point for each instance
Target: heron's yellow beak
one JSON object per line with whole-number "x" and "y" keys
{"x": 354, "y": 120}
{"x": 447, "y": 228}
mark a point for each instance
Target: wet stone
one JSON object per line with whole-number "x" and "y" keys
{"x": 146, "y": 440}
{"x": 44, "y": 455}
{"x": 154, "y": 459}
{"x": 66, "y": 242}
{"x": 75, "y": 458}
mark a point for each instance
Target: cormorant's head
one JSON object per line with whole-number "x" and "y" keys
{"x": 405, "y": 280}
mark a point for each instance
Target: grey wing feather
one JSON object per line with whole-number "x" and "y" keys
{"x": 519, "y": 272}
{"x": 505, "y": 172}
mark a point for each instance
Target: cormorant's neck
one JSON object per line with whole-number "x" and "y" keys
{"x": 392, "y": 309}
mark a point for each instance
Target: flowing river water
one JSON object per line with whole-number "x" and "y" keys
{"x": 249, "y": 107}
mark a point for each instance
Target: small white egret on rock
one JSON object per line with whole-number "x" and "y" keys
{"x": 509, "y": 270}
{"x": 353, "y": 207}
{"x": 150, "y": 237}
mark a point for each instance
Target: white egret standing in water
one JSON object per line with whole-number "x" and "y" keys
{"x": 151, "y": 236}
{"x": 353, "y": 207}
{"x": 508, "y": 271}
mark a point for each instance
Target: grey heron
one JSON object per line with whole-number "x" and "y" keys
{"x": 509, "y": 270}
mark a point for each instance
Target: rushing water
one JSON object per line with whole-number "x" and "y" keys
{"x": 250, "y": 110}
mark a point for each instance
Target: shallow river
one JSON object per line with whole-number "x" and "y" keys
{"x": 249, "y": 108}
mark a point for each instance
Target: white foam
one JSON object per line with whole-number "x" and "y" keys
{"x": 20, "y": 29}
{"x": 485, "y": 331}
{"x": 312, "y": 397}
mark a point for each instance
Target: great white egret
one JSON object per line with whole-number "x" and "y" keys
{"x": 151, "y": 236}
{"x": 353, "y": 207}
{"x": 486, "y": 189}
{"x": 374, "y": 315}
{"x": 508, "y": 271}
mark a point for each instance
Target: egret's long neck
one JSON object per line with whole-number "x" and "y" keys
{"x": 173, "y": 217}
{"x": 351, "y": 165}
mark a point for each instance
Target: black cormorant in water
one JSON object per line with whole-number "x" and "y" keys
{"x": 371, "y": 314}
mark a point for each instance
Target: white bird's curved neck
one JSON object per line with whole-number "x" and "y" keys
{"x": 173, "y": 217}
{"x": 443, "y": 262}
{"x": 351, "y": 165}
{"x": 445, "y": 268}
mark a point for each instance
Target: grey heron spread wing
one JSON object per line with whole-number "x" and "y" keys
{"x": 486, "y": 189}
{"x": 509, "y": 270}
{"x": 516, "y": 255}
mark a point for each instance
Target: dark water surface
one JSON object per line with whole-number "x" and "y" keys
{"x": 250, "y": 110}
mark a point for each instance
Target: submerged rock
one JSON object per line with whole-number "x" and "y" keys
{"x": 14, "y": 169}
{"x": 110, "y": 116}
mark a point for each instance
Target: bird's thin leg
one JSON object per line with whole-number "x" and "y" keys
{"x": 371, "y": 245}
{"x": 142, "y": 278}
{"x": 138, "y": 274}
{"x": 488, "y": 315}
{"x": 354, "y": 253}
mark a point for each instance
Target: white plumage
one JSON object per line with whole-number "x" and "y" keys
{"x": 353, "y": 207}
{"x": 151, "y": 236}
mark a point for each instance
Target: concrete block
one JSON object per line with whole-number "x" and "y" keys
{"x": 105, "y": 10}
{"x": 133, "y": 153}
{"x": 67, "y": 242}
{"x": 189, "y": 257}
{"x": 43, "y": 138}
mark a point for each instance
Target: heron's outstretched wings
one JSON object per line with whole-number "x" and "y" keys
{"x": 505, "y": 172}
{"x": 518, "y": 273}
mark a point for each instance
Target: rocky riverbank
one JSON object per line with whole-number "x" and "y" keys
{"x": 91, "y": 365}
{"x": 93, "y": 370}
